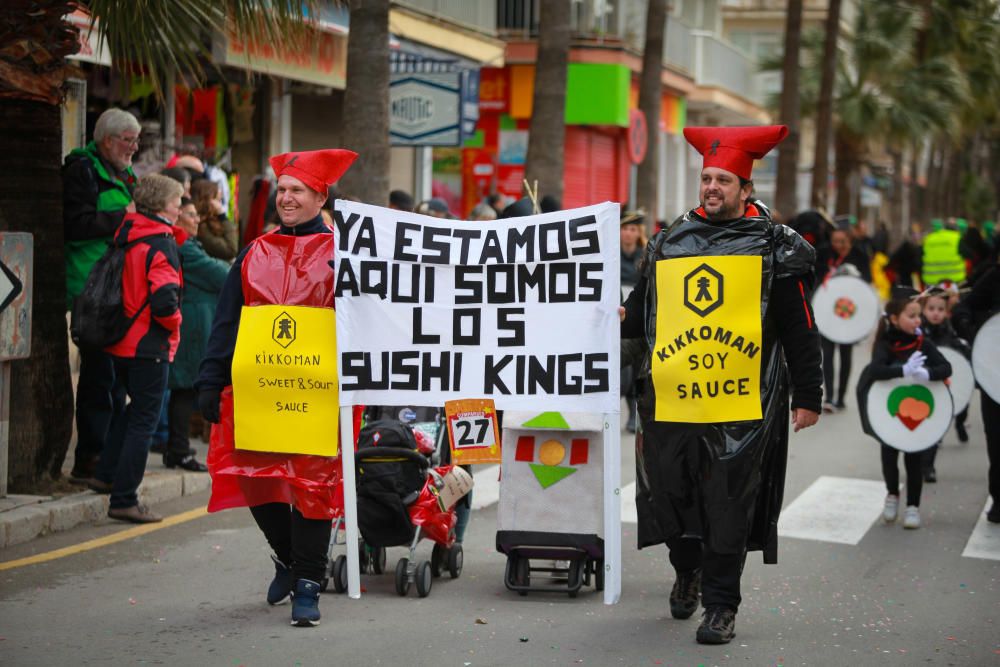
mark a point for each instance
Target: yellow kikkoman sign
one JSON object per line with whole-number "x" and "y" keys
{"x": 707, "y": 358}
{"x": 285, "y": 387}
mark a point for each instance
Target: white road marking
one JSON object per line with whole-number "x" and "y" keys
{"x": 985, "y": 539}
{"x": 486, "y": 487}
{"x": 834, "y": 509}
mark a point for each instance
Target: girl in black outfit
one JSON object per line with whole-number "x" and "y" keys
{"x": 832, "y": 260}
{"x": 901, "y": 350}
{"x": 937, "y": 327}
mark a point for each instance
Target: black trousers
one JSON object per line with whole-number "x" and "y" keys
{"x": 845, "y": 369}
{"x": 914, "y": 463}
{"x": 991, "y": 424}
{"x": 97, "y": 400}
{"x": 298, "y": 542}
{"x": 123, "y": 459}
{"x": 720, "y": 573}
{"x": 180, "y": 408}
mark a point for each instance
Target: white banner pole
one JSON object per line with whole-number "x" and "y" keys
{"x": 350, "y": 502}
{"x": 612, "y": 508}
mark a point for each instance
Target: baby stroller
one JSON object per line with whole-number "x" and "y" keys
{"x": 399, "y": 504}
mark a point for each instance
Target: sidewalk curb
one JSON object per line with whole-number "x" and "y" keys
{"x": 27, "y": 522}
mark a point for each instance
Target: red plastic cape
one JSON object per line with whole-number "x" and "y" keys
{"x": 288, "y": 270}
{"x": 437, "y": 525}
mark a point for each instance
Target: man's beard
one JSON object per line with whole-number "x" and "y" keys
{"x": 726, "y": 212}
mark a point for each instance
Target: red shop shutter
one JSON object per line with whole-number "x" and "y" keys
{"x": 576, "y": 167}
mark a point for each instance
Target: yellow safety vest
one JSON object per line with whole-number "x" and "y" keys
{"x": 942, "y": 261}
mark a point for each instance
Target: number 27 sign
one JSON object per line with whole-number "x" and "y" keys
{"x": 472, "y": 431}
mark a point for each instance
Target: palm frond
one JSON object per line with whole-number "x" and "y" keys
{"x": 154, "y": 37}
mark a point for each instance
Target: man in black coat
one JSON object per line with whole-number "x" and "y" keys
{"x": 723, "y": 305}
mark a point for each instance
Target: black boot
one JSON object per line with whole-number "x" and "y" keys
{"x": 281, "y": 586}
{"x": 718, "y": 626}
{"x": 187, "y": 462}
{"x": 305, "y": 604}
{"x": 685, "y": 593}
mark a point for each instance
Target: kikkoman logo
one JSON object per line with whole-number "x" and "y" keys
{"x": 703, "y": 290}
{"x": 283, "y": 330}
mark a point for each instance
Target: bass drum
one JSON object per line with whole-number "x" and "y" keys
{"x": 962, "y": 381}
{"x": 846, "y": 309}
{"x": 986, "y": 357}
{"x": 908, "y": 414}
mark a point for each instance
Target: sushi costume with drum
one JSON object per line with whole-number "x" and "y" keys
{"x": 723, "y": 306}
{"x": 293, "y": 496}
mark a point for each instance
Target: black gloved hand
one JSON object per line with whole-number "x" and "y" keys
{"x": 208, "y": 404}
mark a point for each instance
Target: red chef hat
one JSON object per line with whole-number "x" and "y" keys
{"x": 734, "y": 148}
{"x": 317, "y": 169}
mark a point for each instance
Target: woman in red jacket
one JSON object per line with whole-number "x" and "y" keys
{"x": 151, "y": 294}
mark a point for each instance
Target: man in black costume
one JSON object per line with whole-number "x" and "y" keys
{"x": 723, "y": 305}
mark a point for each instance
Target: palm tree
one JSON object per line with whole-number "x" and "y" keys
{"x": 164, "y": 36}
{"x": 786, "y": 188}
{"x": 366, "y": 102}
{"x": 824, "y": 113}
{"x": 547, "y": 132}
{"x": 650, "y": 97}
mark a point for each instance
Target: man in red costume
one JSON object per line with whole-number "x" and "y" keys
{"x": 722, "y": 303}
{"x": 291, "y": 496}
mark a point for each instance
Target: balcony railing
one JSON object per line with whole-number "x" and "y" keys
{"x": 717, "y": 63}
{"x": 478, "y": 14}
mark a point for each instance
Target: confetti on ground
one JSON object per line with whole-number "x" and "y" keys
{"x": 480, "y": 621}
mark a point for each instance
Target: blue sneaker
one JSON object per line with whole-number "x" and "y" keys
{"x": 305, "y": 604}
{"x": 281, "y": 586}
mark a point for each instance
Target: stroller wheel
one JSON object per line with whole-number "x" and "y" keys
{"x": 575, "y": 573}
{"x": 522, "y": 573}
{"x": 340, "y": 574}
{"x": 455, "y": 560}
{"x": 402, "y": 577}
{"x": 424, "y": 578}
{"x": 364, "y": 556}
{"x": 599, "y": 574}
{"x": 439, "y": 555}
{"x": 378, "y": 560}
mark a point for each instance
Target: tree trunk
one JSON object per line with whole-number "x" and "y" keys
{"x": 41, "y": 412}
{"x": 824, "y": 116}
{"x": 547, "y": 133}
{"x": 846, "y": 165}
{"x": 786, "y": 189}
{"x": 897, "y": 223}
{"x": 366, "y": 102}
{"x": 935, "y": 178}
{"x": 954, "y": 185}
{"x": 650, "y": 96}
{"x": 918, "y": 197}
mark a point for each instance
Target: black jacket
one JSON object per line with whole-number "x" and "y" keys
{"x": 216, "y": 368}
{"x": 978, "y": 305}
{"x": 724, "y": 482}
{"x": 82, "y": 219}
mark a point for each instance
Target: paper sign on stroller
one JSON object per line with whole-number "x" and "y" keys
{"x": 285, "y": 392}
{"x": 472, "y": 431}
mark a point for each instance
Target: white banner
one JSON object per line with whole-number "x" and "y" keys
{"x": 523, "y": 311}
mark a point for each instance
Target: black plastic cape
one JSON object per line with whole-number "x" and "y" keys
{"x": 722, "y": 482}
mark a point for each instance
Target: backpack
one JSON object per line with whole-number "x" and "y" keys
{"x": 98, "y": 318}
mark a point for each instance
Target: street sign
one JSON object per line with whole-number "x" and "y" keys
{"x": 16, "y": 253}
{"x": 15, "y": 295}
{"x": 433, "y": 108}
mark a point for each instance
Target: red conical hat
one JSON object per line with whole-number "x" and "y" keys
{"x": 734, "y": 148}
{"x": 317, "y": 169}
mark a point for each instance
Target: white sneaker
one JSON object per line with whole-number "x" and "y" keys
{"x": 911, "y": 517}
{"x": 891, "y": 509}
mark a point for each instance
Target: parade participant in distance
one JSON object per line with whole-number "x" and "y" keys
{"x": 972, "y": 312}
{"x": 633, "y": 242}
{"x": 723, "y": 303}
{"x": 901, "y": 350}
{"x": 837, "y": 257}
{"x": 936, "y": 325}
{"x": 291, "y": 496}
